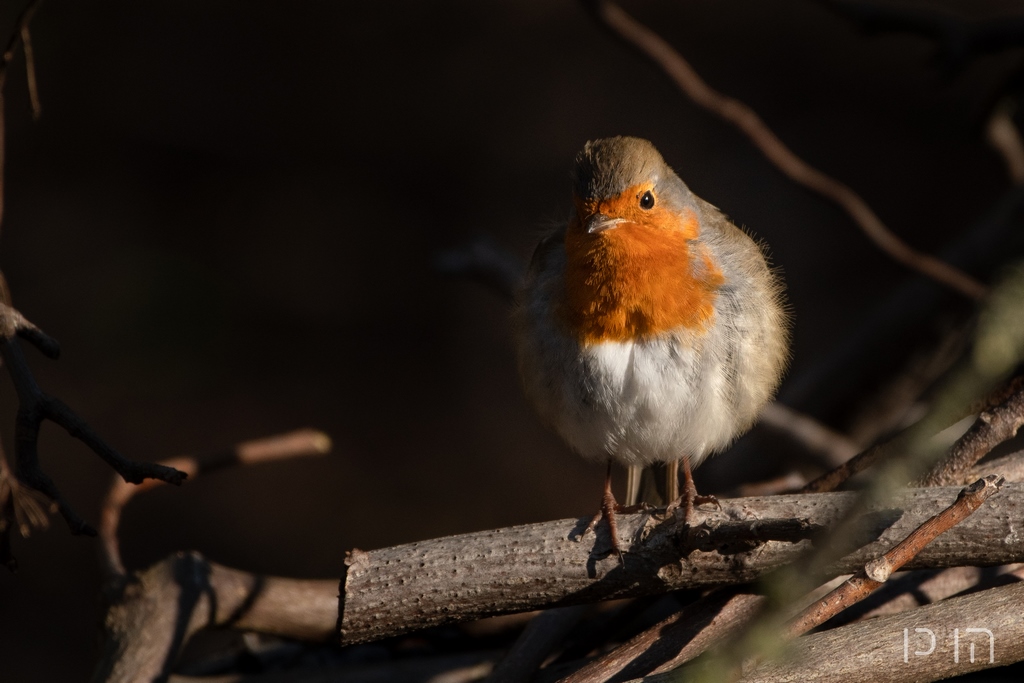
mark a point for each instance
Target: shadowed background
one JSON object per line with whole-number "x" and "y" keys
{"x": 229, "y": 211}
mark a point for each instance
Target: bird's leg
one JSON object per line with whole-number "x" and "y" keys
{"x": 609, "y": 506}
{"x": 634, "y": 474}
{"x": 689, "y": 498}
{"x": 672, "y": 481}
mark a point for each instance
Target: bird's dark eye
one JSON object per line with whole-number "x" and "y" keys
{"x": 647, "y": 200}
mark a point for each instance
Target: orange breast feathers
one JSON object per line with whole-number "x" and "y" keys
{"x": 642, "y": 277}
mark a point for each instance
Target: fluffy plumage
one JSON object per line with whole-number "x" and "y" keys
{"x": 646, "y": 334}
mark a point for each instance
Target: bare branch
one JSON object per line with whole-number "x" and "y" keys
{"x": 172, "y": 600}
{"x": 831, "y": 446}
{"x": 12, "y": 47}
{"x": 675, "y": 640}
{"x": 891, "y": 407}
{"x": 1003, "y": 136}
{"x": 394, "y": 590}
{"x": 909, "y": 590}
{"x": 834, "y": 478}
{"x": 1010, "y": 467}
{"x": 787, "y": 483}
{"x": 17, "y": 37}
{"x": 536, "y": 642}
{"x": 798, "y": 170}
{"x": 299, "y": 443}
{"x": 30, "y": 71}
{"x": 36, "y": 406}
{"x": 884, "y": 650}
{"x": 996, "y": 424}
{"x": 877, "y": 571}
{"x": 688, "y": 633}
{"x": 992, "y": 428}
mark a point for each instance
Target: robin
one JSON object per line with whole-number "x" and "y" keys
{"x": 650, "y": 329}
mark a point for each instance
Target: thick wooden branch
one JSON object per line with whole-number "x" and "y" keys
{"x": 173, "y": 599}
{"x": 394, "y": 590}
{"x": 1010, "y": 467}
{"x": 898, "y": 648}
{"x": 688, "y": 633}
{"x": 154, "y": 613}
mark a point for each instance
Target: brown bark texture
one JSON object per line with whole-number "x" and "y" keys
{"x": 394, "y": 590}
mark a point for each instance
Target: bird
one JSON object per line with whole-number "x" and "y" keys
{"x": 649, "y": 328}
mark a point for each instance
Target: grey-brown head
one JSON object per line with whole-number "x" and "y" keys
{"x": 612, "y": 168}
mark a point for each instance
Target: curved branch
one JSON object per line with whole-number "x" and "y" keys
{"x": 34, "y": 406}
{"x": 173, "y": 599}
{"x": 299, "y": 443}
{"x": 798, "y": 170}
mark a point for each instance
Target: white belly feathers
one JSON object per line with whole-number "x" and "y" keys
{"x": 646, "y": 401}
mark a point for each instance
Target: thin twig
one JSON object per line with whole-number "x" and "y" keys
{"x": 17, "y": 38}
{"x": 34, "y": 406}
{"x": 910, "y": 590}
{"x": 299, "y": 443}
{"x": 674, "y": 640}
{"x": 786, "y": 483}
{"x": 959, "y": 38}
{"x": 1002, "y": 415}
{"x": 878, "y": 571}
{"x": 828, "y": 444}
{"x": 834, "y": 478}
{"x": 1003, "y": 136}
{"x": 890, "y": 408}
{"x": 30, "y": 71}
{"x": 993, "y": 427}
{"x": 798, "y": 170}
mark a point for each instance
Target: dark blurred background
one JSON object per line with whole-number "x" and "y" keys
{"x": 228, "y": 215}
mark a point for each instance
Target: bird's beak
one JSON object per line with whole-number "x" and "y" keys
{"x": 600, "y": 222}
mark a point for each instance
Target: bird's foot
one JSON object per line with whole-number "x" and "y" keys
{"x": 610, "y": 508}
{"x": 688, "y": 501}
